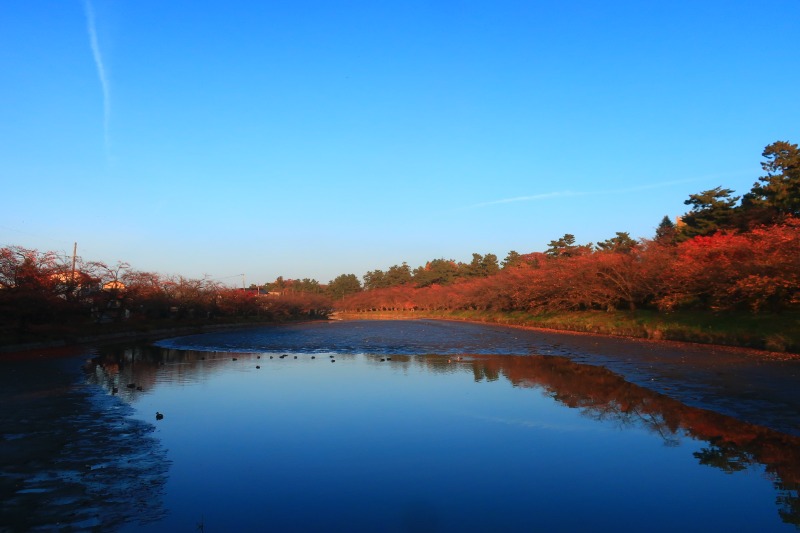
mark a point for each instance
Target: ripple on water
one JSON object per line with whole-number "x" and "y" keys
{"x": 427, "y": 337}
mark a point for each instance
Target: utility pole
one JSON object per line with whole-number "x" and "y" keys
{"x": 242, "y": 281}
{"x": 74, "y": 256}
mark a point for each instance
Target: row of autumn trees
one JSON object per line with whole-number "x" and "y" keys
{"x": 726, "y": 253}
{"x": 47, "y": 288}
{"x": 757, "y": 270}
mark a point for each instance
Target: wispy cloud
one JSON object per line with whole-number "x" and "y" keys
{"x": 533, "y": 197}
{"x": 101, "y": 73}
{"x": 569, "y": 194}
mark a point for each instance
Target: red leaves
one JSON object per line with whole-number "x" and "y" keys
{"x": 758, "y": 270}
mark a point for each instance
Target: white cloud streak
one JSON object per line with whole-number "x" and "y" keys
{"x": 101, "y": 73}
{"x": 533, "y": 197}
{"x": 568, "y": 194}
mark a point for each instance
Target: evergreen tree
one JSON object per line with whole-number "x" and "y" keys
{"x": 711, "y": 211}
{"x": 480, "y": 266}
{"x": 398, "y": 275}
{"x": 622, "y": 243}
{"x": 777, "y": 194}
{"x": 566, "y": 247}
{"x": 375, "y": 279}
{"x": 436, "y": 272}
{"x": 512, "y": 259}
{"x": 666, "y": 230}
{"x": 343, "y": 285}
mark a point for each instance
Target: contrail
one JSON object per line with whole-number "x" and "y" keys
{"x": 566, "y": 194}
{"x": 101, "y": 73}
{"x": 530, "y": 198}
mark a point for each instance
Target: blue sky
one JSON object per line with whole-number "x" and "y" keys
{"x": 311, "y": 139}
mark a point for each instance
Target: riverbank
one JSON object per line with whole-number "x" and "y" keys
{"x": 775, "y": 333}
{"x": 56, "y": 337}
{"x": 778, "y": 333}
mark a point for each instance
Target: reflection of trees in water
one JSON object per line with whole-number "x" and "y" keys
{"x": 788, "y": 504}
{"x": 489, "y": 374}
{"x": 597, "y": 392}
{"x": 76, "y": 461}
{"x": 722, "y": 455}
{"x": 625, "y": 415}
{"x": 602, "y": 395}
{"x": 131, "y": 370}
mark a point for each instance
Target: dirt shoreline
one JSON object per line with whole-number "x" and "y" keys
{"x": 140, "y": 334}
{"x": 766, "y": 354}
{"x": 128, "y": 335}
{"x": 755, "y": 352}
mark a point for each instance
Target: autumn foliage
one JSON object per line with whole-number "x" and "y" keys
{"x": 723, "y": 255}
{"x": 44, "y": 289}
{"x": 755, "y": 270}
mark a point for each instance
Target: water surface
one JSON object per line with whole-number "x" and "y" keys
{"x": 436, "y": 426}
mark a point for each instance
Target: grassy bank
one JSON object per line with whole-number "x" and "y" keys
{"x": 773, "y": 332}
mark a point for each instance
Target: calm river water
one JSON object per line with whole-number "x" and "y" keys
{"x": 399, "y": 426}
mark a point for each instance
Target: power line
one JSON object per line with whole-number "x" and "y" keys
{"x": 34, "y": 235}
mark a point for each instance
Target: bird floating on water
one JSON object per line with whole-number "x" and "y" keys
{"x": 159, "y": 416}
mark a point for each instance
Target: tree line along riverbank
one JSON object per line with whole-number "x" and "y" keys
{"x": 727, "y": 272}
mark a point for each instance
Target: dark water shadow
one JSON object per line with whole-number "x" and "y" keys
{"x": 71, "y": 457}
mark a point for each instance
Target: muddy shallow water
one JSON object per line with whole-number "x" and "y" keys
{"x": 71, "y": 457}
{"x": 416, "y": 426}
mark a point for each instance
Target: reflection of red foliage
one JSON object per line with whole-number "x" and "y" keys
{"x": 602, "y": 394}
